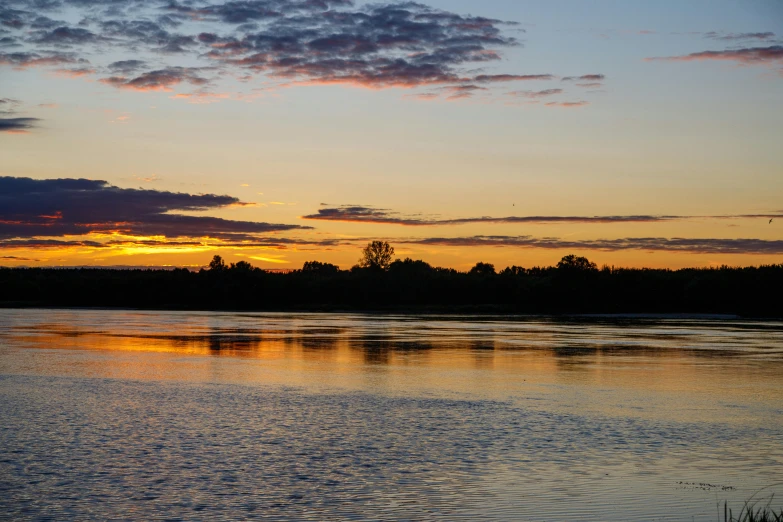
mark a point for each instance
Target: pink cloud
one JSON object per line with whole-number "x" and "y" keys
{"x": 568, "y": 105}
{"x": 746, "y": 56}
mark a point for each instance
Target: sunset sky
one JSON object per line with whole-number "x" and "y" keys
{"x": 162, "y": 132}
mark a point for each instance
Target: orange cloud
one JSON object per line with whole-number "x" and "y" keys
{"x": 159, "y": 80}
{"x": 75, "y": 73}
{"x": 202, "y": 97}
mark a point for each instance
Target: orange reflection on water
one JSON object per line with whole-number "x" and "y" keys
{"x": 654, "y": 368}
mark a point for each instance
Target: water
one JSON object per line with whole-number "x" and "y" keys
{"x": 206, "y": 416}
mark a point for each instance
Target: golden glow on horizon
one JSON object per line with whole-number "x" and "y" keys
{"x": 118, "y": 248}
{"x": 268, "y": 259}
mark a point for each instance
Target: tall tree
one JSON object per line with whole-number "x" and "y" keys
{"x": 377, "y": 255}
{"x": 217, "y": 264}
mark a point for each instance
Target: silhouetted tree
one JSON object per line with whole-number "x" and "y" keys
{"x": 242, "y": 266}
{"x": 316, "y": 267}
{"x": 513, "y": 271}
{"x": 483, "y": 269}
{"x": 217, "y": 264}
{"x": 409, "y": 266}
{"x": 377, "y": 255}
{"x": 576, "y": 264}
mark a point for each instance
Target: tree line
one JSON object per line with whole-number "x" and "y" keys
{"x": 377, "y": 283}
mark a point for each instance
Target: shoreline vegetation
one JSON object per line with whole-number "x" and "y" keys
{"x": 753, "y": 511}
{"x": 575, "y": 286}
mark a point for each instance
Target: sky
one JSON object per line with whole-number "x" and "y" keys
{"x": 163, "y": 132}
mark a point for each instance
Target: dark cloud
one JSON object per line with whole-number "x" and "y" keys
{"x": 177, "y": 44}
{"x": 458, "y": 92}
{"x": 15, "y": 19}
{"x": 585, "y": 78}
{"x": 271, "y": 242}
{"x": 136, "y": 31}
{"x": 590, "y": 85}
{"x": 23, "y": 60}
{"x": 17, "y": 126}
{"x": 493, "y": 78}
{"x": 148, "y": 34}
{"x": 295, "y": 42}
{"x": 364, "y": 214}
{"x": 242, "y": 12}
{"x": 651, "y": 244}
{"x": 715, "y": 35}
{"x": 8, "y": 41}
{"x": 747, "y": 56}
{"x": 127, "y": 66}
{"x": 66, "y": 36}
{"x": 158, "y": 80}
{"x": 377, "y": 45}
{"x": 46, "y": 243}
{"x": 17, "y": 258}
{"x": 45, "y": 23}
{"x": 367, "y": 214}
{"x": 280, "y": 243}
{"x": 30, "y": 209}
{"x": 8, "y": 105}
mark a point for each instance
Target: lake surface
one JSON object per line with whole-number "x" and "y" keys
{"x": 112, "y": 415}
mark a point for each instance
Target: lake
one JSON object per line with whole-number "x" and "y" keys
{"x": 225, "y": 416}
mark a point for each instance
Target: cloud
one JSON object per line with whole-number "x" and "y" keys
{"x": 76, "y": 72}
{"x": 585, "y": 78}
{"x": 242, "y": 12}
{"x": 17, "y": 258}
{"x": 158, "y": 80}
{"x": 147, "y": 179}
{"x": 17, "y": 125}
{"x": 651, "y": 244}
{"x": 715, "y": 35}
{"x": 459, "y": 92}
{"x": 23, "y": 60}
{"x": 127, "y": 66}
{"x": 568, "y": 105}
{"x": 202, "y": 97}
{"x": 66, "y": 36}
{"x": 423, "y": 96}
{"x": 296, "y": 42}
{"x": 9, "y": 105}
{"x": 590, "y": 85}
{"x": 273, "y": 242}
{"x": 365, "y": 214}
{"x": 745, "y": 56}
{"x": 493, "y": 78}
{"x": 8, "y": 41}
{"x": 32, "y": 209}
{"x": 46, "y": 243}
{"x": 146, "y": 34}
{"x": 535, "y": 94}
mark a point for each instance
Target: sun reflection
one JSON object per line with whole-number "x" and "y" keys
{"x": 502, "y": 360}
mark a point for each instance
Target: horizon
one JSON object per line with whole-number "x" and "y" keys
{"x": 498, "y": 269}
{"x": 510, "y": 133}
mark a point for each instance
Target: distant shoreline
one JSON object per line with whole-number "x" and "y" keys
{"x": 411, "y": 312}
{"x": 412, "y": 287}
